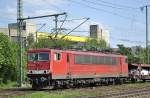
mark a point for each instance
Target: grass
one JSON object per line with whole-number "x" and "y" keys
{"x": 70, "y": 93}
{"x": 78, "y": 93}
{"x": 8, "y": 85}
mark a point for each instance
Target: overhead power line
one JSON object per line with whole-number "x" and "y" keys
{"x": 75, "y": 28}
{"x": 68, "y": 20}
{"x": 128, "y": 40}
{"x": 118, "y": 5}
{"x": 57, "y": 8}
{"x": 105, "y": 5}
{"x": 103, "y": 10}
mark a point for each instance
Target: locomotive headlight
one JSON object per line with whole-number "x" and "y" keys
{"x": 38, "y": 72}
{"x": 29, "y": 72}
{"x": 46, "y": 71}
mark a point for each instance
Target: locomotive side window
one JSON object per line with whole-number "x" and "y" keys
{"x": 57, "y": 56}
{"x": 108, "y": 60}
{"x": 78, "y": 59}
{"x": 101, "y": 60}
{"x": 94, "y": 60}
{"x": 114, "y": 60}
{"x": 88, "y": 59}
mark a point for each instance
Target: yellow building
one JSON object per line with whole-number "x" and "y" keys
{"x": 68, "y": 37}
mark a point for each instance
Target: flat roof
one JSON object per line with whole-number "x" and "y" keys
{"x": 67, "y": 37}
{"x": 75, "y": 52}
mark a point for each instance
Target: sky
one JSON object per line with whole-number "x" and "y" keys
{"x": 124, "y": 19}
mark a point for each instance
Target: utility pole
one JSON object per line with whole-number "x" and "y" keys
{"x": 20, "y": 24}
{"x": 20, "y": 42}
{"x": 146, "y": 12}
{"x": 147, "y": 34}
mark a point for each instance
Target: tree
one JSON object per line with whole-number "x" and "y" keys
{"x": 52, "y": 43}
{"x": 134, "y": 54}
{"x": 8, "y": 54}
{"x": 94, "y": 44}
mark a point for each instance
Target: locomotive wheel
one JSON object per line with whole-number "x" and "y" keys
{"x": 143, "y": 80}
{"x": 35, "y": 86}
{"x": 118, "y": 81}
{"x": 113, "y": 82}
{"x": 133, "y": 80}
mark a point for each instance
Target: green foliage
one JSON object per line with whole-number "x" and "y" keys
{"x": 10, "y": 84}
{"x": 52, "y": 43}
{"x": 135, "y": 54}
{"x": 95, "y": 44}
{"x": 61, "y": 94}
{"x": 8, "y": 54}
{"x": 90, "y": 44}
{"x": 128, "y": 52}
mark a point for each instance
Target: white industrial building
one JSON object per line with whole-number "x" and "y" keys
{"x": 30, "y": 28}
{"x": 11, "y": 31}
{"x": 99, "y": 32}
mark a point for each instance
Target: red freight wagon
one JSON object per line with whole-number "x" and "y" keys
{"x": 67, "y": 67}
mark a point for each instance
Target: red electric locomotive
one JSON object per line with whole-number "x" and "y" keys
{"x": 52, "y": 67}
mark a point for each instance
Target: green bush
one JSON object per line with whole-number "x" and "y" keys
{"x": 8, "y": 59}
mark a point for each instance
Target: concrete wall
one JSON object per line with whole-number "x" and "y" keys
{"x": 28, "y": 28}
{"x": 11, "y": 31}
{"x": 5, "y": 31}
{"x": 99, "y": 33}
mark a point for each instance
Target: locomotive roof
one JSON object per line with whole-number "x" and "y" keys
{"x": 40, "y": 49}
{"x": 76, "y": 52}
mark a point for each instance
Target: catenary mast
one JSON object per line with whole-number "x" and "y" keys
{"x": 20, "y": 42}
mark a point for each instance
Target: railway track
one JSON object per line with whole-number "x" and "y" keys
{"x": 137, "y": 93}
{"x": 117, "y": 91}
{"x": 7, "y": 93}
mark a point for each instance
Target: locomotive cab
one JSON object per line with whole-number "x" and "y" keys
{"x": 38, "y": 66}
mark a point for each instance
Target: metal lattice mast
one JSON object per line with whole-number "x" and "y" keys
{"x": 146, "y": 12}
{"x": 19, "y": 32}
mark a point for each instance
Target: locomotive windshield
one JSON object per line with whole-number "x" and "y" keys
{"x": 38, "y": 57}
